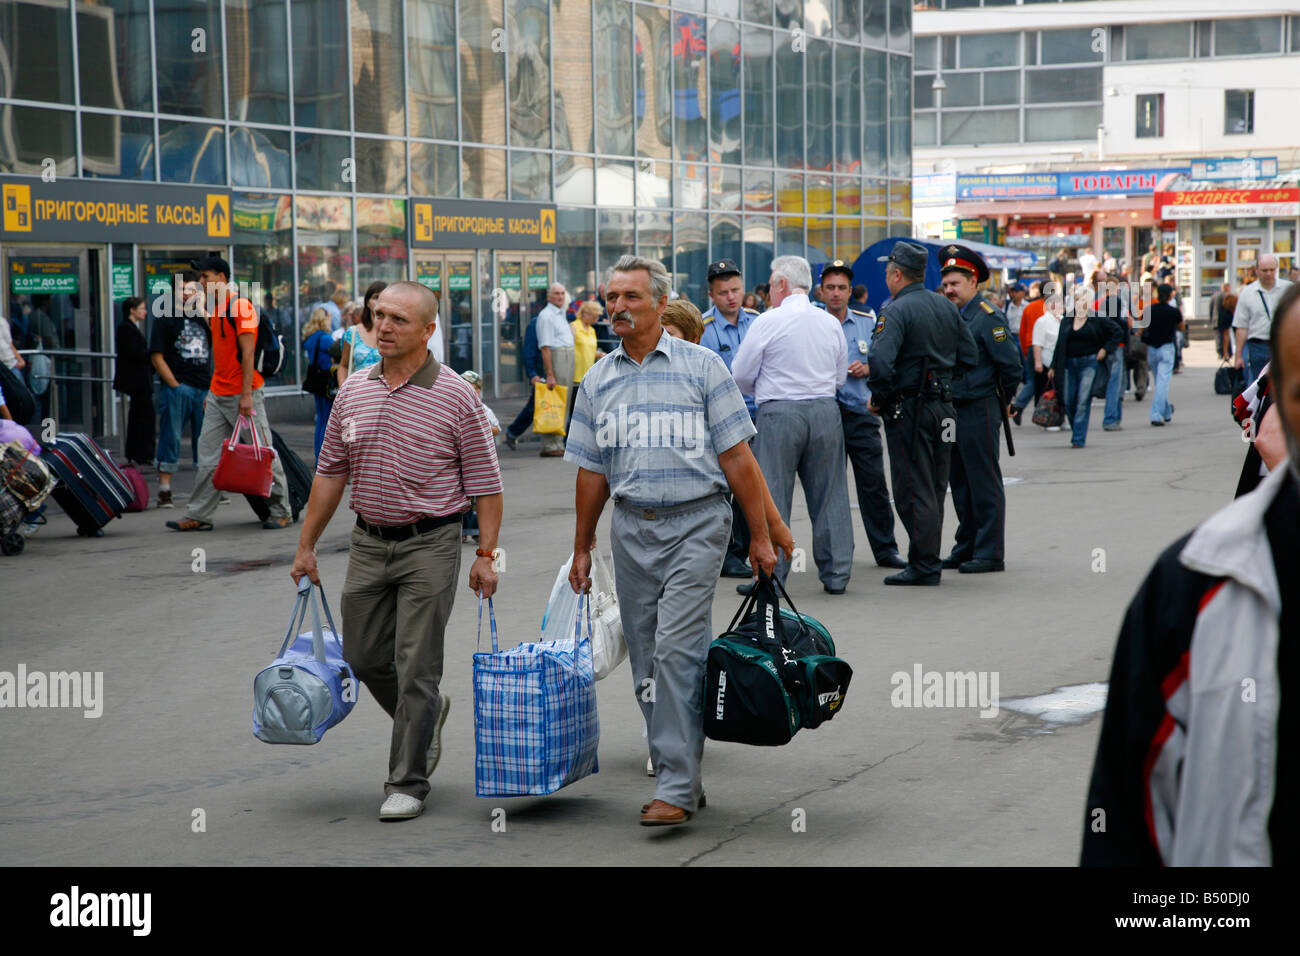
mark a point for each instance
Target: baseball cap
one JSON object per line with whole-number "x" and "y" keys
{"x": 472, "y": 377}
{"x": 909, "y": 255}
{"x": 213, "y": 264}
{"x": 840, "y": 266}
{"x": 723, "y": 267}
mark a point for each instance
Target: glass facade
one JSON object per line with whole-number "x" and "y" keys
{"x": 686, "y": 130}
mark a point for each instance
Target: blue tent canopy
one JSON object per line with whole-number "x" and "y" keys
{"x": 871, "y": 272}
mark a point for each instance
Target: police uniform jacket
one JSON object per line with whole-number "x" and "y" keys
{"x": 916, "y": 323}
{"x": 999, "y": 357}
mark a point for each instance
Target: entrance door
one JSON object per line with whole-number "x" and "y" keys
{"x": 1246, "y": 247}
{"x": 451, "y": 277}
{"x": 60, "y": 321}
{"x": 520, "y": 293}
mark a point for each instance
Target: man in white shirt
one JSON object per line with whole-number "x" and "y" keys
{"x": 792, "y": 360}
{"x": 555, "y": 339}
{"x": 1087, "y": 264}
{"x": 1253, "y": 317}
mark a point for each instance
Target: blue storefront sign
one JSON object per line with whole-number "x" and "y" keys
{"x": 1092, "y": 182}
{"x": 1248, "y": 167}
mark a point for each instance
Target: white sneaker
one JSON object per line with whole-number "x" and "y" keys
{"x": 435, "y": 745}
{"x": 399, "y": 806}
{"x": 1053, "y": 428}
{"x": 30, "y": 529}
{"x": 649, "y": 767}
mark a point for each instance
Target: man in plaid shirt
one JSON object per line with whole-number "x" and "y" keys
{"x": 660, "y": 425}
{"x": 412, "y": 436}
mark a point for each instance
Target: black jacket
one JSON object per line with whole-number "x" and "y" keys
{"x": 134, "y": 374}
{"x": 1099, "y": 333}
{"x": 999, "y": 358}
{"x": 915, "y": 325}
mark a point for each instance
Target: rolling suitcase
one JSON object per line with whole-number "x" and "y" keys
{"x": 92, "y": 490}
{"x": 296, "y": 473}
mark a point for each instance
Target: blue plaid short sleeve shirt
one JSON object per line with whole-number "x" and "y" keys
{"x": 654, "y": 430}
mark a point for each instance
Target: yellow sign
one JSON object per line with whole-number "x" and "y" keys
{"x": 548, "y": 226}
{"x": 218, "y": 216}
{"x": 18, "y": 208}
{"x": 423, "y": 222}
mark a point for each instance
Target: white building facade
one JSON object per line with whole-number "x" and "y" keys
{"x": 1110, "y": 126}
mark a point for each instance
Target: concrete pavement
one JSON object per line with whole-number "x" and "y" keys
{"x": 878, "y": 785}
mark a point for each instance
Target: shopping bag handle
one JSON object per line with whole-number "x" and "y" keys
{"x": 307, "y": 595}
{"x": 492, "y": 620}
{"x": 239, "y": 427}
{"x": 583, "y": 602}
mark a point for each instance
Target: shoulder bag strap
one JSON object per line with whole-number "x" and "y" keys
{"x": 1263, "y": 298}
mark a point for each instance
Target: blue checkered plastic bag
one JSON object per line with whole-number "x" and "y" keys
{"x": 535, "y": 723}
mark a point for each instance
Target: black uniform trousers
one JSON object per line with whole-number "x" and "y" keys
{"x": 920, "y": 477}
{"x": 864, "y": 449}
{"x": 976, "y": 478}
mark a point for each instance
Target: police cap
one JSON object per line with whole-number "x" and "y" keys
{"x": 963, "y": 259}
{"x": 840, "y": 266}
{"x": 721, "y": 269}
{"x": 908, "y": 255}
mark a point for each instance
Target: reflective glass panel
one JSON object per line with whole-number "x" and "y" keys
{"x": 260, "y": 158}
{"x": 821, "y": 193}
{"x": 757, "y": 11}
{"x": 188, "y": 57}
{"x": 1062, "y": 86}
{"x": 654, "y": 183}
{"x": 530, "y": 176}
{"x": 820, "y": 78}
{"x": 692, "y": 185}
{"x": 923, "y": 130}
{"x": 790, "y": 132}
{"x": 1071, "y": 46}
{"x": 615, "y": 90}
{"x": 789, "y": 237}
{"x": 724, "y": 236}
{"x": 528, "y": 24}
{"x": 616, "y": 237}
{"x": 575, "y": 250}
{"x": 482, "y": 173}
{"x": 29, "y": 135}
{"x": 848, "y": 196}
{"x": 691, "y": 248}
{"x": 900, "y": 25}
{"x": 191, "y": 153}
{"x": 482, "y": 73}
{"x": 381, "y": 166}
{"x": 817, "y": 17}
{"x": 654, "y": 236}
{"x": 1001, "y": 87}
{"x": 574, "y": 179}
{"x": 760, "y": 239}
{"x": 821, "y": 239}
{"x": 320, "y": 64}
{"x": 789, "y": 14}
{"x": 875, "y": 198}
{"x": 900, "y": 113}
{"x": 117, "y": 147}
{"x": 36, "y": 42}
{"x": 654, "y": 93}
{"x": 963, "y": 89}
{"x": 724, "y": 85}
{"x": 571, "y": 27}
{"x": 758, "y": 190}
{"x": 724, "y": 187}
{"x": 1061, "y": 123}
{"x": 381, "y": 240}
{"x": 970, "y": 127}
{"x": 848, "y": 107}
{"x": 378, "y": 91}
{"x": 431, "y": 41}
{"x": 757, "y": 50}
{"x": 325, "y": 261}
{"x": 875, "y": 103}
{"x": 257, "y": 61}
{"x": 691, "y": 103}
{"x": 1157, "y": 41}
{"x": 615, "y": 184}
{"x": 789, "y": 192}
{"x": 982, "y": 50}
{"x": 1248, "y": 37}
{"x": 324, "y": 162}
{"x": 874, "y": 19}
{"x": 848, "y": 239}
{"x": 435, "y": 170}
{"x": 848, "y": 17}
{"x": 114, "y": 52}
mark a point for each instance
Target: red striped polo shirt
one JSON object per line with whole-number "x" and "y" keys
{"x": 419, "y": 450}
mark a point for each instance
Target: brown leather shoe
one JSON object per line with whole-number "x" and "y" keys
{"x": 558, "y": 453}
{"x": 660, "y": 814}
{"x": 704, "y": 802}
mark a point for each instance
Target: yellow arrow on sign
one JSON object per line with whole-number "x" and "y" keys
{"x": 218, "y": 216}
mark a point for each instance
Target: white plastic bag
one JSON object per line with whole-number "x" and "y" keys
{"x": 608, "y": 647}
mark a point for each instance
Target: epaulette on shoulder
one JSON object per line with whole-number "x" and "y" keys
{"x": 862, "y": 312}
{"x": 749, "y": 311}
{"x": 986, "y": 307}
{"x": 708, "y": 319}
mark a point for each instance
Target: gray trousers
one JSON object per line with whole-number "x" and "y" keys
{"x": 562, "y": 363}
{"x": 219, "y": 419}
{"x": 665, "y": 570}
{"x": 807, "y": 439}
{"x": 397, "y": 598}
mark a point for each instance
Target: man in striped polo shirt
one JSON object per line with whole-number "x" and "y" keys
{"x": 661, "y": 426}
{"x": 412, "y": 436}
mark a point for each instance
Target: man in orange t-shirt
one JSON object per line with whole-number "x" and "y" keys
{"x": 236, "y": 390}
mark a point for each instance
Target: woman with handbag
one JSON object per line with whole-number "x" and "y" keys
{"x": 133, "y": 377}
{"x": 316, "y": 343}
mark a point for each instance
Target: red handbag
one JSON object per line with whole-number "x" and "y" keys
{"x": 244, "y": 469}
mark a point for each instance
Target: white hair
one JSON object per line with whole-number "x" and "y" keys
{"x": 794, "y": 270}
{"x": 660, "y": 282}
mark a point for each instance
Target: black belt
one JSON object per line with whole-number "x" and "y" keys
{"x": 1265, "y": 341}
{"x": 400, "y": 532}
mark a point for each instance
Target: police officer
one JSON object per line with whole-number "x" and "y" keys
{"x": 980, "y": 396}
{"x": 918, "y": 341}
{"x": 725, "y": 325}
{"x": 861, "y": 428}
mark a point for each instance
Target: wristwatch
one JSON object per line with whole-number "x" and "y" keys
{"x": 484, "y": 554}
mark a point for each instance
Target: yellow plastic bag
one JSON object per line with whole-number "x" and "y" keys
{"x": 548, "y": 409}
